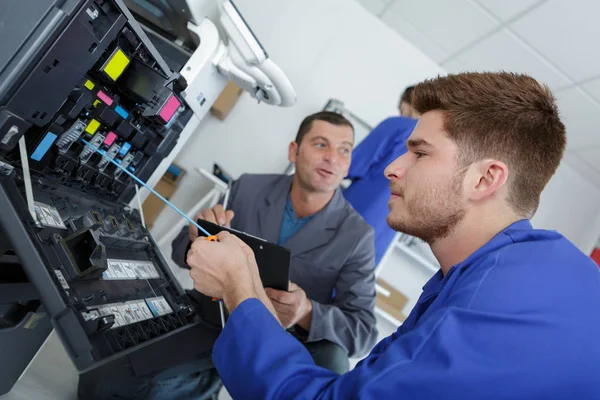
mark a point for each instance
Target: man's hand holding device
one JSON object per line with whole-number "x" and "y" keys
{"x": 217, "y": 215}
{"x": 226, "y": 269}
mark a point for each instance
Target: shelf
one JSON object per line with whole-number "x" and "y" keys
{"x": 387, "y": 317}
{"x": 422, "y": 261}
{"x": 382, "y": 290}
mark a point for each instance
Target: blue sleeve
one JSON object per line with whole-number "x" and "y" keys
{"x": 376, "y": 145}
{"x": 453, "y": 353}
{"x": 257, "y": 359}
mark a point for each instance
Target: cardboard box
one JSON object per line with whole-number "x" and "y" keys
{"x": 226, "y": 100}
{"x": 392, "y": 304}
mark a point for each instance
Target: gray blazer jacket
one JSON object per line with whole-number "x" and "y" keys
{"x": 334, "y": 250}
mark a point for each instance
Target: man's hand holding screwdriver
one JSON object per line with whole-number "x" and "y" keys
{"x": 217, "y": 215}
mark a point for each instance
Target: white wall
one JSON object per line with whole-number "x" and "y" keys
{"x": 570, "y": 204}
{"x": 327, "y": 48}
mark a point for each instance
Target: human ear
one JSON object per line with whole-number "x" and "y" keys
{"x": 292, "y": 152}
{"x": 488, "y": 177}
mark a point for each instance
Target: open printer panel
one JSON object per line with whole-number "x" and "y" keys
{"x": 99, "y": 275}
{"x": 84, "y": 70}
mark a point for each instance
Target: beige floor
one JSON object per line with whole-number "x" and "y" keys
{"x": 51, "y": 376}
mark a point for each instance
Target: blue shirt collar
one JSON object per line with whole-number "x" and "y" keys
{"x": 501, "y": 239}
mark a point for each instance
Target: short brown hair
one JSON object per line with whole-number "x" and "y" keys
{"x": 506, "y": 116}
{"x": 327, "y": 116}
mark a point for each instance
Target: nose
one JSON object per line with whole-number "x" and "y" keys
{"x": 397, "y": 169}
{"x": 331, "y": 155}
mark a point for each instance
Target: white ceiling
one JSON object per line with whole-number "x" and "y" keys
{"x": 551, "y": 40}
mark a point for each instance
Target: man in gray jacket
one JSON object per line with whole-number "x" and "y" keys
{"x": 331, "y": 298}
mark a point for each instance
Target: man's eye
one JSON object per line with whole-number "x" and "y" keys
{"x": 320, "y": 145}
{"x": 345, "y": 151}
{"x": 419, "y": 155}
